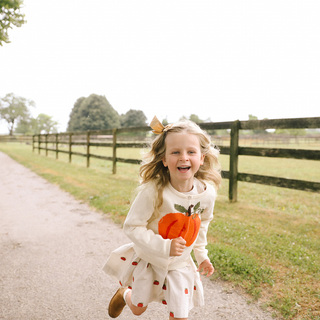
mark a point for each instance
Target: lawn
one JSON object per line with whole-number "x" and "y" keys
{"x": 267, "y": 244}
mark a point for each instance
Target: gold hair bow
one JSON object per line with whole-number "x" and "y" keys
{"x": 158, "y": 127}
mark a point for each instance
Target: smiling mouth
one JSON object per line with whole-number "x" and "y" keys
{"x": 184, "y": 169}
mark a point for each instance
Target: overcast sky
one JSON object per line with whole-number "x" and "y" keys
{"x": 218, "y": 59}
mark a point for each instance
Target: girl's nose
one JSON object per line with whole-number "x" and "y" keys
{"x": 184, "y": 156}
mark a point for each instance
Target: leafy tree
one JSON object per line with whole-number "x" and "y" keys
{"x": 256, "y": 131}
{"x": 46, "y": 123}
{"x": 9, "y": 15}
{"x": 165, "y": 122}
{"x": 75, "y": 113}
{"x": 252, "y": 117}
{"x": 93, "y": 113}
{"x": 42, "y": 124}
{"x": 14, "y": 109}
{"x": 133, "y": 118}
{"x": 25, "y": 127}
{"x": 195, "y": 118}
{"x": 291, "y": 132}
{"x": 183, "y": 117}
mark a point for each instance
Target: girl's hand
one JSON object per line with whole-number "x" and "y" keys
{"x": 177, "y": 246}
{"x": 207, "y": 267}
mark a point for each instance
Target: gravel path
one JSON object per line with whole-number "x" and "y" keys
{"x": 52, "y": 248}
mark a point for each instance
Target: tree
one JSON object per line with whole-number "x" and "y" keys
{"x": 252, "y": 117}
{"x": 93, "y": 113}
{"x": 183, "y": 118}
{"x": 25, "y": 127}
{"x": 291, "y": 132}
{"x": 42, "y": 124}
{"x": 10, "y": 15}
{"x": 133, "y": 118}
{"x": 14, "y": 109}
{"x": 46, "y": 123}
{"x": 165, "y": 121}
{"x": 257, "y": 131}
{"x": 75, "y": 113}
{"x": 195, "y": 118}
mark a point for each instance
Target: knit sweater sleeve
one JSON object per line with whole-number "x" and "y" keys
{"x": 135, "y": 226}
{"x": 199, "y": 249}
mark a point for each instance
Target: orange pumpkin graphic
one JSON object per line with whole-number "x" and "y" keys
{"x": 183, "y": 224}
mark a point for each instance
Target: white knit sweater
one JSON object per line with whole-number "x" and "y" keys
{"x": 143, "y": 231}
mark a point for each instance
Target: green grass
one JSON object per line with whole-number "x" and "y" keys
{"x": 240, "y": 268}
{"x": 267, "y": 244}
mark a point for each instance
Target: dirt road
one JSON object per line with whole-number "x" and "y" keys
{"x": 52, "y": 249}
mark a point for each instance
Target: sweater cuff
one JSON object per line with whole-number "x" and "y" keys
{"x": 201, "y": 255}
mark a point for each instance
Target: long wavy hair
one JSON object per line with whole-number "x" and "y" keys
{"x": 153, "y": 170}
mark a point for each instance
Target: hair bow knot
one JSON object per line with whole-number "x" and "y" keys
{"x": 158, "y": 127}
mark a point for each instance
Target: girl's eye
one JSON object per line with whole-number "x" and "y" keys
{"x": 175, "y": 152}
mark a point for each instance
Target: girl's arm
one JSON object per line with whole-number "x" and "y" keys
{"x": 135, "y": 226}
{"x": 199, "y": 249}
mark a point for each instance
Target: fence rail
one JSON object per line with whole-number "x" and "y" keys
{"x": 234, "y": 150}
{"x": 115, "y": 141}
{"x": 16, "y": 138}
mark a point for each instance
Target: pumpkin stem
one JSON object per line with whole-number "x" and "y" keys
{"x": 189, "y": 210}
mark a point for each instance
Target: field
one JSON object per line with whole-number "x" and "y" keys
{"x": 267, "y": 244}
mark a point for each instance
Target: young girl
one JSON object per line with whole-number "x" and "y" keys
{"x": 167, "y": 220}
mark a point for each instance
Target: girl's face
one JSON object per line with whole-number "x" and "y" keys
{"x": 183, "y": 158}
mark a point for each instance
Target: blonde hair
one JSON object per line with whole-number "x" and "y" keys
{"x": 153, "y": 170}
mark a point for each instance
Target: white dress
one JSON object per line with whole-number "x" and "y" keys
{"x": 179, "y": 288}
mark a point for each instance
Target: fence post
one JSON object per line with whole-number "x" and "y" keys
{"x": 88, "y": 148}
{"x": 33, "y": 143}
{"x": 57, "y": 152}
{"x": 114, "y": 150}
{"x": 39, "y": 143}
{"x": 46, "y": 145}
{"x": 70, "y": 144}
{"x": 233, "y": 166}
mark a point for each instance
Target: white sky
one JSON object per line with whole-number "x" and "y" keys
{"x": 217, "y": 59}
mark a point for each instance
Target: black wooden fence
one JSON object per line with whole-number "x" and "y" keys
{"x": 234, "y": 150}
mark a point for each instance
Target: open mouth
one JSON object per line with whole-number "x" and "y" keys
{"x": 184, "y": 169}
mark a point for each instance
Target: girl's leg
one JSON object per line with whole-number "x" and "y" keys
{"x": 137, "y": 311}
{"x": 171, "y": 318}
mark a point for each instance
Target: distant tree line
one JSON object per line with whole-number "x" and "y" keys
{"x": 291, "y": 132}
{"x": 91, "y": 113}
{"x": 96, "y": 113}
{"x": 15, "y": 110}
